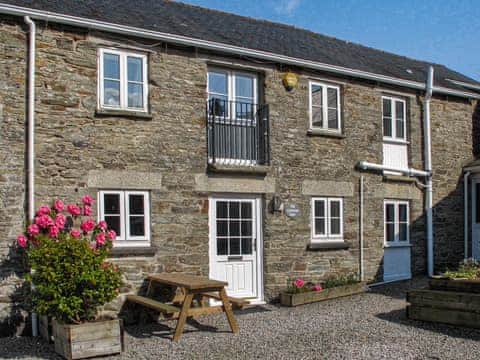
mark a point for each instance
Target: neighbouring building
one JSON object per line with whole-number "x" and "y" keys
{"x": 231, "y": 147}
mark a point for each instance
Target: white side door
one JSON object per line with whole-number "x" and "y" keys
{"x": 234, "y": 234}
{"x": 476, "y": 218}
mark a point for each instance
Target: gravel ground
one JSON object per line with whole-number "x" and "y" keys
{"x": 367, "y": 326}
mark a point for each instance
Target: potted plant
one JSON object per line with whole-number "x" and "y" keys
{"x": 71, "y": 279}
{"x": 300, "y": 292}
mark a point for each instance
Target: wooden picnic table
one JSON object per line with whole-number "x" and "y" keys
{"x": 191, "y": 287}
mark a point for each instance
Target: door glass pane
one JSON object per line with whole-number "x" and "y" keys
{"x": 246, "y": 228}
{"x": 234, "y": 246}
{"x": 219, "y": 106}
{"x": 111, "y": 66}
{"x": 390, "y": 232}
{"x": 234, "y": 210}
{"x": 222, "y": 247}
{"x": 111, "y": 204}
{"x": 247, "y": 246}
{"x": 234, "y": 228}
{"x": 217, "y": 83}
{"x": 136, "y": 204}
{"x": 246, "y": 210}
{"x": 244, "y": 88}
{"x": 222, "y": 228}
{"x": 113, "y": 223}
{"x": 111, "y": 92}
{"x": 137, "y": 226}
{"x": 135, "y": 95}
{"x": 135, "y": 69}
{"x": 222, "y": 209}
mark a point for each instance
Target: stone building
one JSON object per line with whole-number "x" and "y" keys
{"x": 187, "y": 127}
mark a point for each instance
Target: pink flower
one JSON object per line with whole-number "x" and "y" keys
{"x": 299, "y": 283}
{"x": 112, "y": 235}
{"x": 93, "y": 246}
{"x": 53, "y": 231}
{"x": 44, "y": 210}
{"x": 60, "y": 221}
{"x": 317, "y": 287}
{"x": 43, "y": 221}
{"x": 87, "y": 225}
{"x": 102, "y": 225}
{"x": 22, "y": 241}
{"x": 33, "y": 230}
{"x": 58, "y": 205}
{"x": 75, "y": 233}
{"x": 74, "y": 210}
{"x": 100, "y": 239}
{"x": 87, "y": 200}
{"x": 87, "y": 210}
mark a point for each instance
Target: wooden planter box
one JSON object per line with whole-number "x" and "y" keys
{"x": 460, "y": 285}
{"x": 326, "y": 294}
{"x": 45, "y": 328}
{"x": 91, "y": 339}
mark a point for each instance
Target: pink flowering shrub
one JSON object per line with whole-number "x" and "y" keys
{"x": 68, "y": 251}
{"x": 301, "y": 286}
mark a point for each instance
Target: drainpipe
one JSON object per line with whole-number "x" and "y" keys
{"x": 365, "y": 165}
{"x": 428, "y": 169}
{"x": 465, "y": 213}
{"x": 362, "y": 271}
{"x": 31, "y": 133}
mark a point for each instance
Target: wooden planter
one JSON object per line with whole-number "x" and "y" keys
{"x": 91, "y": 339}
{"x": 460, "y": 285}
{"x": 326, "y": 294}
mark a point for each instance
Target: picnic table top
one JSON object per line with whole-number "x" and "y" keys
{"x": 191, "y": 282}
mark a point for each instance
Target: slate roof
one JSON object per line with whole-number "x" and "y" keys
{"x": 206, "y": 24}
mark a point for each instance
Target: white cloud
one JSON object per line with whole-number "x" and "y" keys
{"x": 287, "y": 7}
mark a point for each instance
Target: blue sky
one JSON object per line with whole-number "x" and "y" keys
{"x": 441, "y": 31}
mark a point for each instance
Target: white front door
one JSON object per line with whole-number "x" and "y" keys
{"x": 476, "y": 218}
{"x": 234, "y": 240}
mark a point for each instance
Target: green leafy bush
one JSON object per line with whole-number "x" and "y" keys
{"x": 70, "y": 275}
{"x": 340, "y": 281}
{"x": 468, "y": 269}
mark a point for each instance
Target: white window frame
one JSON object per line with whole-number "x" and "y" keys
{"x": 327, "y": 206}
{"x": 123, "y": 55}
{"x": 396, "y": 204}
{"x": 124, "y": 239}
{"x": 393, "y": 120}
{"x": 325, "y": 88}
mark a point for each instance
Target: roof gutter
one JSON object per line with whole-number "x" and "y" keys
{"x": 231, "y": 49}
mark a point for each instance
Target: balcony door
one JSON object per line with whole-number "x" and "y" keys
{"x": 232, "y": 107}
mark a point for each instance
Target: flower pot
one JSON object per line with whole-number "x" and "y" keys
{"x": 90, "y": 339}
{"x": 326, "y": 294}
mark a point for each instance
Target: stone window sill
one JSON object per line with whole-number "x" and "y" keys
{"x": 123, "y": 113}
{"x": 326, "y": 133}
{"x": 328, "y": 245}
{"x": 386, "y": 246}
{"x": 239, "y": 169}
{"x": 125, "y": 251}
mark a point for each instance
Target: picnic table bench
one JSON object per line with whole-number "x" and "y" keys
{"x": 191, "y": 287}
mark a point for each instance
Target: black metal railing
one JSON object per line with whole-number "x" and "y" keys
{"x": 238, "y": 133}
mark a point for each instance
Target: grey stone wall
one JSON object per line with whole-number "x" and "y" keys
{"x": 74, "y": 146}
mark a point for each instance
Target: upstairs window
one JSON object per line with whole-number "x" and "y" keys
{"x": 325, "y": 107}
{"x": 327, "y": 219}
{"x": 123, "y": 81}
{"x": 394, "y": 118}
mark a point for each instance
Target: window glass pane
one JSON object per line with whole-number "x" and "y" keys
{"x": 403, "y": 228}
{"x": 234, "y": 228}
{"x": 136, "y": 204}
{"x": 319, "y": 226}
{"x": 399, "y": 110}
{"x": 137, "y": 226}
{"x": 217, "y": 83}
{"x": 246, "y": 228}
{"x": 317, "y": 117}
{"x": 244, "y": 87}
{"x": 333, "y": 119}
{"x": 111, "y": 204}
{"x": 246, "y": 210}
{"x": 402, "y": 216}
{"x": 222, "y": 209}
{"x": 400, "y": 129}
{"x": 387, "y": 108}
{"x": 335, "y": 208}
{"x": 390, "y": 212}
{"x": 222, "y": 247}
{"x": 111, "y": 66}
{"x": 134, "y": 69}
{"x": 111, "y": 92}
{"x": 387, "y": 127}
{"x": 219, "y": 106}
{"x": 390, "y": 232}
{"x": 135, "y": 95}
{"x": 234, "y": 246}
{"x": 246, "y": 246}
{"x": 222, "y": 228}
{"x": 113, "y": 223}
{"x": 332, "y": 98}
{"x": 335, "y": 226}
{"x": 319, "y": 208}
{"x": 234, "y": 210}
{"x": 317, "y": 95}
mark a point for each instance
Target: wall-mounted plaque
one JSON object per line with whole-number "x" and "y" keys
{"x": 291, "y": 210}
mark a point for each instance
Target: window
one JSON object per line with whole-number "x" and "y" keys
{"x": 128, "y": 213}
{"x": 327, "y": 219}
{"x": 396, "y": 222}
{"x": 122, "y": 81}
{"x": 325, "y": 107}
{"x": 394, "y": 115}
{"x": 235, "y": 91}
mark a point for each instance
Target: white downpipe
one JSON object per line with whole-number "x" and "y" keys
{"x": 428, "y": 169}
{"x": 31, "y": 134}
{"x": 365, "y": 165}
{"x": 465, "y": 213}
{"x": 362, "y": 270}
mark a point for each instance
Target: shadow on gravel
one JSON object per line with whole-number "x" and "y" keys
{"x": 398, "y": 290}
{"x": 400, "y": 317}
{"x": 26, "y": 348}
